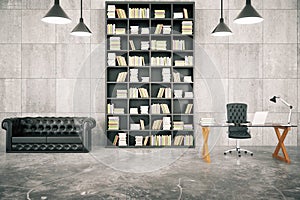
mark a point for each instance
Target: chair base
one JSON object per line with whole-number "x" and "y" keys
{"x": 239, "y": 151}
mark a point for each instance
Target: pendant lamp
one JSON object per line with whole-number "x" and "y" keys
{"x": 56, "y": 15}
{"x": 221, "y": 29}
{"x": 248, "y": 15}
{"x": 81, "y": 29}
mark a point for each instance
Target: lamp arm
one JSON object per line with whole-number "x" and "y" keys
{"x": 286, "y": 103}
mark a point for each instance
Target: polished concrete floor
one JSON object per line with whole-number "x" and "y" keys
{"x": 149, "y": 174}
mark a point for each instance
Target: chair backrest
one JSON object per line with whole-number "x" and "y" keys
{"x": 236, "y": 113}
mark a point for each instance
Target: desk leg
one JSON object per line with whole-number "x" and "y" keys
{"x": 280, "y": 144}
{"x": 205, "y": 152}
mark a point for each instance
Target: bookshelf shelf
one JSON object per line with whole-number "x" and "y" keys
{"x": 150, "y": 74}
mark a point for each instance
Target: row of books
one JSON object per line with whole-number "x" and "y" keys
{"x": 164, "y": 124}
{"x": 121, "y": 77}
{"x": 158, "y": 44}
{"x": 121, "y": 13}
{"x": 156, "y": 108}
{"x": 180, "y": 125}
{"x": 161, "y": 61}
{"x": 155, "y": 140}
{"x": 159, "y": 13}
{"x": 133, "y": 93}
{"x": 122, "y": 94}
{"x": 180, "y": 15}
{"x": 121, "y": 60}
{"x": 186, "y": 140}
{"x": 164, "y": 91}
{"x": 179, "y": 94}
{"x": 139, "y": 13}
{"x": 178, "y": 45}
{"x": 143, "y": 110}
{"x": 136, "y": 61}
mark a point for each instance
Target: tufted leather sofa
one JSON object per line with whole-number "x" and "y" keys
{"x": 48, "y": 134}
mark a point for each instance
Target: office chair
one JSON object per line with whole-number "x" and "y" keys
{"x": 237, "y": 115}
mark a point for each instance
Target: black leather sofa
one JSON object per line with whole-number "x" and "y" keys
{"x": 48, "y": 134}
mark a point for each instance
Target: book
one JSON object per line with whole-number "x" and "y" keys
{"x": 146, "y": 140}
{"x": 160, "y": 92}
{"x": 131, "y": 45}
{"x": 142, "y": 124}
{"x": 188, "y": 108}
{"x": 121, "y": 77}
{"x": 121, "y": 13}
{"x": 158, "y": 29}
{"x": 116, "y": 140}
{"x": 185, "y": 13}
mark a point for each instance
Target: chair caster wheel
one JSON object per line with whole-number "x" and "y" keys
{"x": 224, "y": 153}
{"x": 229, "y": 151}
{"x": 245, "y": 152}
{"x": 251, "y": 154}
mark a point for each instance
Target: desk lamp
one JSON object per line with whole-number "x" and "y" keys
{"x": 273, "y": 99}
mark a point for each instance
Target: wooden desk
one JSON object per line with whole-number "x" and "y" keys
{"x": 277, "y": 127}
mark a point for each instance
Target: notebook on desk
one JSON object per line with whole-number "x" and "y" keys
{"x": 259, "y": 118}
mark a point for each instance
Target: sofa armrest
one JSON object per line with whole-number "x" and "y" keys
{"x": 90, "y": 122}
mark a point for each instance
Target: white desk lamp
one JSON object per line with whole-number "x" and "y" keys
{"x": 273, "y": 99}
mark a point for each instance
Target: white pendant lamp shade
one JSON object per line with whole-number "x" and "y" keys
{"x": 81, "y": 29}
{"x": 221, "y": 29}
{"x": 248, "y": 15}
{"x": 56, "y": 15}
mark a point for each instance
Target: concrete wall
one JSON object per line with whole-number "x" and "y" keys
{"x": 44, "y": 71}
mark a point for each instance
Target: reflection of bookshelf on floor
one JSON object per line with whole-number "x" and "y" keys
{"x": 188, "y": 108}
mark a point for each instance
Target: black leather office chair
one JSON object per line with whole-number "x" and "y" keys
{"x": 237, "y": 115}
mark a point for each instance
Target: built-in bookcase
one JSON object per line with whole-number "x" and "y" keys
{"x": 150, "y": 74}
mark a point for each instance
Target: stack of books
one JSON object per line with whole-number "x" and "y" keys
{"x": 165, "y": 108}
{"x": 178, "y": 125}
{"x": 158, "y": 45}
{"x": 115, "y": 43}
{"x": 134, "y": 75}
{"x": 111, "y": 29}
{"x": 133, "y": 111}
{"x": 179, "y": 63}
{"x": 145, "y": 45}
{"x": 113, "y": 123}
{"x": 133, "y": 93}
{"x": 121, "y": 77}
{"x": 135, "y": 127}
{"x": 122, "y": 94}
{"x": 134, "y": 29}
{"x": 155, "y": 108}
{"x": 138, "y": 140}
{"x": 166, "y": 75}
{"x": 139, "y": 13}
{"x": 122, "y": 139}
{"x": 168, "y": 93}
{"x": 187, "y": 79}
{"x": 144, "y": 109}
{"x": 121, "y": 61}
{"x": 188, "y": 95}
{"x": 145, "y": 78}
{"x": 178, "y": 45}
{"x": 188, "y": 127}
{"x": 119, "y": 111}
{"x": 121, "y": 13}
{"x": 167, "y": 29}
{"x": 157, "y": 124}
{"x": 159, "y": 13}
{"x": 161, "y": 61}
{"x": 187, "y": 27}
{"x": 136, "y": 61}
{"x": 111, "y": 59}
{"x": 178, "y": 93}
{"x": 176, "y": 77}
{"x": 145, "y": 30}
{"x": 178, "y": 15}
{"x": 166, "y": 123}
{"x": 120, "y": 31}
{"x": 143, "y": 93}
{"x": 188, "y": 108}
{"x": 206, "y": 121}
{"x": 111, "y": 11}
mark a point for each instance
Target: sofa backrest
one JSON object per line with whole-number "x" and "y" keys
{"x": 48, "y": 126}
